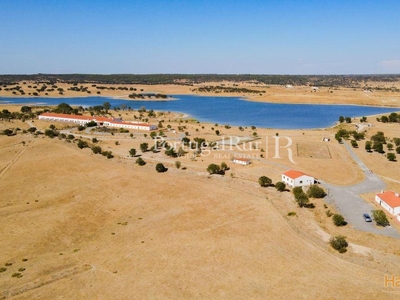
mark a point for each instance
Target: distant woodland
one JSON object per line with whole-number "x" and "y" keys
{"x": 187, "y": 79}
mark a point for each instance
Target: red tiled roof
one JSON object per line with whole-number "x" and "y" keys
{"x": 90, "y": 118}
{"x": 390, "y": 198}
{"x": 294, "y": 174}
{"x": 241, "y": 159}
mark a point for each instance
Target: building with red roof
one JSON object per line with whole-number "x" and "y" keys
{"x": 241, "y": 161}
{"x": 294, "y": 178}
{"x": 390, "y": 201}
{"x": 101, "y": 121}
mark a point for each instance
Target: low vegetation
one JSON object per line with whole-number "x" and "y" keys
{"x": 265, "y": 181}
{"x": 339, "y": 243}
{"x": 380, "y": 218}
{"x": 301, "y": 197}
{"x": 338, "y": 220}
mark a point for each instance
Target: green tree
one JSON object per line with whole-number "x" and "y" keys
{"x": 91, "y": 124}
{"x": 338, "y": 220}
{"x": 391, "y": 156}
{"x": 390, "y": 146}
{"x": 380, "y": 218}
{"x": 378, "y": 147}
{"x": 132, "y": 152}
{"x": 339, "y": 243}
{"x": 171, "y": 152}
{"x": 82, "y": 144}
{"x": 302, "y": 200}
{"x": 160, "y": 168}
{"x": 315, "y": 191}
{"x": 140, "y": 161}
{"x": 348, "y": 120}
{"x": 264, "y": 181}
{"x": 214, "y": 169}
{"x": 106, "y": 106}
{"x": 96, "y": 149}
{"x": 368, "y": 146}
{"x": 280, "y": 186}
{"x": 398, "y": 150}
{"x": 341, "y": 119}
{"x": 224, "y": 166}
{"x": 26, "y": 109}
{"x": 396, "y": 141}
{"x": 217, "y": 132}
{"x": 354, "y": 144}
{"x": 144, "y": 147}
{"x": 49, "y": 133}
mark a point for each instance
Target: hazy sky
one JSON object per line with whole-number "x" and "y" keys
{"x": 141, "y": 37}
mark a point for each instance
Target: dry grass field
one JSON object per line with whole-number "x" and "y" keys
{"x": 84, "y": 226}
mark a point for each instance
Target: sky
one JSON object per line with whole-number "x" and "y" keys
{"x": 192, "y": 37}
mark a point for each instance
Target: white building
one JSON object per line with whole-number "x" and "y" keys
{"x": 295, "y": 178}
{"x": 101, "y": 121}
{"x": 241, "y": 161}
{"x": 390, "y": 201}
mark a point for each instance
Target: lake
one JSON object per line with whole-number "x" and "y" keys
{"x": 230, "y": 110}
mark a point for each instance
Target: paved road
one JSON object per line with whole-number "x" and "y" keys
{"x": 348, "y": 202}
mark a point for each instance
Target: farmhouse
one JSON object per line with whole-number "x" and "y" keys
{"x": 241, "y": 161}
{"x": 101, "y": 121}
{"x": 390, "y": 201}
{"x": 295, "y": 178}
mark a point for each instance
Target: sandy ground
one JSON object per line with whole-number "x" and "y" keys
{"x": 89, "y": 227}
{"x": 273, "y": 93}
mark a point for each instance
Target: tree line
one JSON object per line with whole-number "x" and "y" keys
{"x": 189, "y": 79}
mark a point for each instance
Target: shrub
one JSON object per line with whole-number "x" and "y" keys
{"x": 339, "y": 243}
{"x": 140, "y": 161}
{"x": 18, "y": 275}
{"x": 314, "y": 191}
{"x": 96, "y": 149}
{"x": 391, "y": 156}
{"x": 264, "y": 181}
{"x": 292, "y": 213}
{"x": 160, "y": 168}
{"x": 91, "y": 124}
{"x": 224, "y": 166}
{"x": 2, "y": 269}
{"x": 300, "y": 197}
{"x": 329, "y": 213}
{"x": 280, "y": 186}
{"x": 80, "y": 127}
{"x": 338, "y": 220}
{"x": 380, "y": 218}
{"x": 132, "y": 152}
{"x": 177, "y": 164}
{"x": 215, "y": 169}
{"x": 82, "y": 144}
{"x": 49, "y": 133}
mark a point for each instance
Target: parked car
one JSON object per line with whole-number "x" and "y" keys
{"x": 367, "y": 218}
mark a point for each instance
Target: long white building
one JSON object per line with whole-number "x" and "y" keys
{"x": 101, "y": 121}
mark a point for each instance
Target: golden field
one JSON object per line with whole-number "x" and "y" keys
{"x": 84, "y": 226}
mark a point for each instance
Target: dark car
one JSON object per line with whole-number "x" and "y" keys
{"x": 367, "y": 218}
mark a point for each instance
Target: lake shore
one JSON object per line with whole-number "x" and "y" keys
{"x": 270, "y": 93}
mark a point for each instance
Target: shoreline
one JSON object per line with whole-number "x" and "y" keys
{"x": 184, "y": 115}
{"x": 172, "y": 97}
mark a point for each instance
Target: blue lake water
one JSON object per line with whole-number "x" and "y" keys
{"x": 231, "y": 110}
